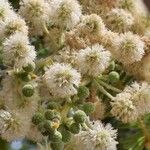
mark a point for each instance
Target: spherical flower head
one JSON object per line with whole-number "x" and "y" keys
{"x": 140, "y": 97}
{"x": 100, "y": 137}
{"x": 129, "y": 48}
{"x": 13, "y": 25}
{"x": 123, "y": 108}
{"x": 28, "y": 90}
{"x": 65, "y": 13}
{"x": 93, "y": 24}
{"x": 132, "y": 103}
{"x": 61, "y": 80}
{"x": 83, "y": 92}
{"x": 36, "y": 12}
{"x": 37, "y": 118}
{"x": 79, "y": 116}
{"x": 93, "y": 60}
{"x": 18, "y": 51}
{"x": 5, "y": 10}
{"x": 75, "y": 128}
{"x": 119, "y": 20}
{"x": 5, "y": 117}
{"x": 18, "y": 126}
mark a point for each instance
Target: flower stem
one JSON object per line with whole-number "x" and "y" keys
{"x": 101, "y": 89}
{"x": 108, "y": 86}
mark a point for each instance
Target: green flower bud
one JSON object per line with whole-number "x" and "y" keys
{"x": 37, "y": 118}
{"x": 42, "y": 129}
{"x": 75, "y": 128}
{"x": 55, "y": 137}
{"x": 57, "y": 115}
{"x": 66, "y": 135}
{"x": 88, "y": 108}
{"x": 79, "y": 116}
{"x": 114, "y": 76}
{"x": 112, "y": 66}
{"x": 49, "y": 127}
{"x": 83, "y": 92}
{"x": 28, "y": 90}
{"x": 57, "y": 146}
{"x": 24, "y": 76}
{"x": 42, "y": 52}
{"x": 52, "y": 105}
{"x": 49, "y": 114}
{"x": 29, "y": 68}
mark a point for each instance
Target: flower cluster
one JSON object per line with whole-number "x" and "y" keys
{"x": 71, "y": 71}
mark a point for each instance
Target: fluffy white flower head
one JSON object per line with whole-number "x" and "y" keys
{"x": 119, "y": 20}
{"x": 123, "y": 108}
{"x": 36, "y": 12}
{"x": 5, "y": 118}
{"x": 18, "y": 51}
{"x": 132, "y": 103}
{"x": 17, "y": 128}
{"x": 140, "y": 96}
{"x": 93, "y": 60}
{"x": 61, "y": 80}
{"x": 129, "y": 48}
{"x": 13, "y": 25}
{"x": 99, "y": 138}
{"x": 5, "y": 10}
{"x": 94, "y": 24}
{"x": 65, "y": 13}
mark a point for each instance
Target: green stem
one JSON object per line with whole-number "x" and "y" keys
{"x": 108, "y": 86}
{"x": 101, "y": 89}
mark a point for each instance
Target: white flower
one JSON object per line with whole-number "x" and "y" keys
{"x": 93, "y": 24}
{"x": 132, "y": 103}
{"x": 61, "y": 80}
{"x": 129, "y": 48}
{"x": 66, "y": 55}
{"x": 13, "y": 25}
{"x": 123, "y": 108}
{"x": 36, "y": 12}
{"x": 140, "y": 96}
{"x": 20, "y": 108}
{"x": 18, "y": 51}
{"x": 65, "y": 13}
{"x": 119, "y": 20}
{"x": 18, "y": 126}
{"x": 99, "y": 138}
{"x": 5, "y": 117}
{"x": 14, "y": 100}
{"x": 5, "y": 10}
{"x": 93, "y": 60}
